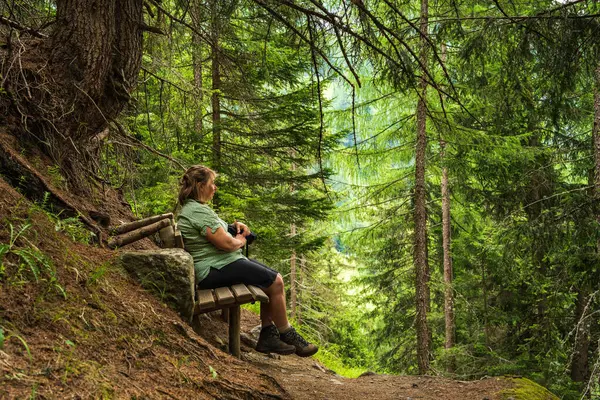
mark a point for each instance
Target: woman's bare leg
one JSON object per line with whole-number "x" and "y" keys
{"x": 275, "y": 310}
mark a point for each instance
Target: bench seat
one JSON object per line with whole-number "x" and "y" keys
{"x": 208, "y": 300}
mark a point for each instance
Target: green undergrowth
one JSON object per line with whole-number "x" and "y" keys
{"x": 326, "y": 355}
{"x": 70, "y": 226}
{"x": 21, "y": 261}
{"x": 525, "y": 389}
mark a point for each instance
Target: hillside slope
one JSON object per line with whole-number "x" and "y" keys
{"x": 74, "y": 325}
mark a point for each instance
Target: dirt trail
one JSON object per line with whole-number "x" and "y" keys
{"x": 303, "y": 380}
{"x": 307, "y": 379}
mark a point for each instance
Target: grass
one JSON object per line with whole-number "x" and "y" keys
{"x": 6, "y": 335}
{"x": 333, "y": 362}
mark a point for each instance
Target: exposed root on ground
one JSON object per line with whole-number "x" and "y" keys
{"x": 22, "y": 175}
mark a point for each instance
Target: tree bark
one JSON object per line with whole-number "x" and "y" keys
{"x": 293, "y": 276}
{"x": 69, "y": 85}
{"x": 195, "y": 13}
{"x": 448, "y": 273}
{"x": 446, "y": 242}
{"x": 301, "y": 275}
{"x": 580, "y": 369}
{"x": 216, "y": 87}
{"x": 420, "y": 212}
{"x": 138, "y": 234}
{"x": 95, "y": 55}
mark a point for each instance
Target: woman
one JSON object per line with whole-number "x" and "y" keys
{"x": 218, "y": 261}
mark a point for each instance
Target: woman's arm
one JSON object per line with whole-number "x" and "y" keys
{"x": 223, "y": 241}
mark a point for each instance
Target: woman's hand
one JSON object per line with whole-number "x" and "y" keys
{"x": 242, "y": 238}
{"x": 241, "y": 228}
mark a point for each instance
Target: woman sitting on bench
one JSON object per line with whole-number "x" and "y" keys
{"x": 218, "y": 261}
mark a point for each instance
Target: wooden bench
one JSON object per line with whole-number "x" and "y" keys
{"x": 227, "y": 299}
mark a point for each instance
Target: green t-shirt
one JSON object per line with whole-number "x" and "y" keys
{"x": 193, "y": 221}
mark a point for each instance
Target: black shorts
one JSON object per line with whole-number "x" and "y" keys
{"x": 246, "y": 271}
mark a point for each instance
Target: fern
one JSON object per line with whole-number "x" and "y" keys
{"x": 29, "y": 261}
{"x": 32, "y": 261}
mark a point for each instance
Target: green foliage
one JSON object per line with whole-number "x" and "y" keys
{"x": 73, "y": 227}
{"x": 98, "y": 273}
{"x": 20, "y": 265}
{"x": 6, "y": 334}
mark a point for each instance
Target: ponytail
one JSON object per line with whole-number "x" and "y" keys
{"x": 189, "y": 182}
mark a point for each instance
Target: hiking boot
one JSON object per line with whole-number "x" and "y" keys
{"x": 303, "y": 348}
{"x": 269, "y": 342}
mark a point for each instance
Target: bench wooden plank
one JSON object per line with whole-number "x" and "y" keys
{"x": 242, "y": 294}
{"x": 205, "y": 299}
{"x": 224, "y": 296}
{"x": 258, "y": 294}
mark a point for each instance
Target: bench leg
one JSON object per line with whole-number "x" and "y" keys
{"x": 234, "y": 331}
{"x": 225, "y": 314}
{"x": 196, "y": 323}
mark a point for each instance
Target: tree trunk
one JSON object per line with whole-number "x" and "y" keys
{"x": 301, "y": 275}
{"x": 596, "y": 139}
{"x": 70, "y": 85}
{"x": 293, "y": 276}
{"x": 486, "y": 325}
{"x": 446, "y": 241}
{"x": 448, "y": 274}
{"x": 95, "y": 56}
{"x": 420, "y": 213}
{"x": 293, "y": 259}
{"x": 195, "y": 14}
{"x": 580, "y": 370}
{"x": 216, "y": 94}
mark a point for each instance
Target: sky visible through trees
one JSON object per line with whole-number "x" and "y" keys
{"x": 426, "y": 174}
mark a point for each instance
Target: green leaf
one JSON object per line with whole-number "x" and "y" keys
{"x": 29, "y": 260}
{"x": 1, "y": 338}
{"x": 213, "y": 372}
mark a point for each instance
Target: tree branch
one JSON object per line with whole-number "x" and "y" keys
{"x": 15, "y": 25}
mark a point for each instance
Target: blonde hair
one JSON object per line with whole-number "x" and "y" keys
{"x": 197, "y": 174}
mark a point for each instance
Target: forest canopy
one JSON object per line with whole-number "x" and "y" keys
{"x": 426, "y": 174}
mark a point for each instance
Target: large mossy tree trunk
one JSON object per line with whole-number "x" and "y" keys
{"x": 77, "y": 79}
{"x": 95, "y": 56}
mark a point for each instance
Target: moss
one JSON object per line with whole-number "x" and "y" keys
{"x": 525, "y": 389}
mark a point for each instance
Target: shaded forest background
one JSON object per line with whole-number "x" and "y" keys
{"x": 425, "y": 174}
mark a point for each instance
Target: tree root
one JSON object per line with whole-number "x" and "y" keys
{"x": 17, "y": 171}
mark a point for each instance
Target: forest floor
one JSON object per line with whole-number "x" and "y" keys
{"x": 307, "y": 379}
{"x": 74, "y": 325}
